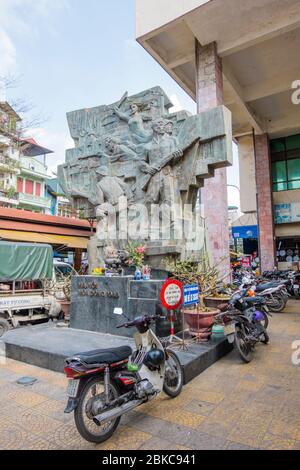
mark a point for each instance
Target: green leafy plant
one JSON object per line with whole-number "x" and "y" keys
{"x": 10, "y": 192}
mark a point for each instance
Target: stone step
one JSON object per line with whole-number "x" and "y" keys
{"x": 47, "y": 346}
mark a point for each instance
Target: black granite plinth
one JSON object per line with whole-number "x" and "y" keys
{"x": 94, "y": 299}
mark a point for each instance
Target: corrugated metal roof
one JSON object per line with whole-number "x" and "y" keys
{"x": 29, "y": 227}
{"x": 33, "y": 217}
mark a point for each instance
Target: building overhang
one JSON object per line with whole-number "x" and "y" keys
{"x": 30, "y": 148}
{"x": 259, "y": 42}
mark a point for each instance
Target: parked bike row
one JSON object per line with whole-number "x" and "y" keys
{"x": 106, "y": 384}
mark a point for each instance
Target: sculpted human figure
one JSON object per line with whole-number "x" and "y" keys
{"x": 117, "y": 151}
{"x": 109, "y": 187}
{"x": 135, "y": 123}
{"x": 159, "y": 155}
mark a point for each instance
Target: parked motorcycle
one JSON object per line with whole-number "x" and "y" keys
{"x": 243, "y": 326}
{"x": 274, "y": 292}
{"x": 106, "y": 384}
{"x": 293, "y": 278}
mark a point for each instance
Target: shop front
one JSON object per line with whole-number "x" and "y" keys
{"x": 245, "y": 238}
{"x": 285, "y": 160}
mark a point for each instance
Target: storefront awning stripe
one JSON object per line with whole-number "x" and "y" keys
{"x": 71, "y": 242}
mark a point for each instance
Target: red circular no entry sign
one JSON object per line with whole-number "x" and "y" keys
{"x": 171, "y": 294}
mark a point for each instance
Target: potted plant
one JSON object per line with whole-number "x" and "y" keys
{"x": 200, "y": 318}
{"x": 217, "y": 294}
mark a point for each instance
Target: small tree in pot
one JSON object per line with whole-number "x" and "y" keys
{"x": 200, "y": 318}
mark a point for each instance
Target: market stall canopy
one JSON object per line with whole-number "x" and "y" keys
{"x": 68, "y": 241}
{"x": 245, "y": 226}
{"x": 25, "y": 261}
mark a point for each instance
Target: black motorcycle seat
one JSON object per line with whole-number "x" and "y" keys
{"x": 104, "y": 356}
{"x": 267, "y": 285}
{"x": 254, "y": 300}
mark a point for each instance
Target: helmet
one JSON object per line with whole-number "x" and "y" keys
{"x": 258, "y": 316}
{"x": 154, "y": 358}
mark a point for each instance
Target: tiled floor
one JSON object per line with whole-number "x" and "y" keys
{"x": 229, "y": 406}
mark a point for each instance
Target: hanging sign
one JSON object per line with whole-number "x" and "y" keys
{"x": 171, "y": 294}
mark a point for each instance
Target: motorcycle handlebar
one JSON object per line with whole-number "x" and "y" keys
{"x": 145, "y": 318}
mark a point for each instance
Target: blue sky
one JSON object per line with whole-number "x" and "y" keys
{"x": 77, "y": 53}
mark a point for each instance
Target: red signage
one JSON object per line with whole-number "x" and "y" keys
{"x": 171, "y": 294}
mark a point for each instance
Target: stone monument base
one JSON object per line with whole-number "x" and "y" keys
{"x": 94, "y": 299}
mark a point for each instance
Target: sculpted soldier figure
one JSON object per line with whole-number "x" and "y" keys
{"x": 160, "y": 154}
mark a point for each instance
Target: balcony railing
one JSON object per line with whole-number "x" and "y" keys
{"x": 30, "y": 199}
{"x": 9, "y": 164}
{"x": 8, "y": 197}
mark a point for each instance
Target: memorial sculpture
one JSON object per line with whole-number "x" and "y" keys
{"x": 136, "y": 154}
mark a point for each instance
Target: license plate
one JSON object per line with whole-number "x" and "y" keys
{"x": 296, "y": 286}
{"x": 229, "y": 329}
{"x": 73, "y": 388}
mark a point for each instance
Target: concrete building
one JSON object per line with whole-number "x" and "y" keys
{"x": 9, "y": 155}
{"x": 244, "y": 55}
{"x": 33, "y": 177}
{"x": 23, "y": 170}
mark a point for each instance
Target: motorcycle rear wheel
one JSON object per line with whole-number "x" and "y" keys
{"x": 86, "y": 427}
{"x": 173, "y": 381}
{"x": 278, "y": 305}
{"x": 242, "y": 346}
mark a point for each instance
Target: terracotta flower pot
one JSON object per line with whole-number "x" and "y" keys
{"x": 214, "y": 302}
{"x": 200, "y": 323}
{"x": 65, "y": 306}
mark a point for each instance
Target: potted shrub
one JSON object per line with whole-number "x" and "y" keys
{"x": 200, "y": 318}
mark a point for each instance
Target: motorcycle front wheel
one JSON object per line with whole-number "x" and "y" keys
{"x": 173, "y": 381}
{"x": 265, "y": 321}
{"x": 90, "y": 403}
{"x": 242, "y": 345}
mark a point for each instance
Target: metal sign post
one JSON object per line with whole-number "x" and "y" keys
{"x": 171, "y": 298}
{"x": 191, "y": 296}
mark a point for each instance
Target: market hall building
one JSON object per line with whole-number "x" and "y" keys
{"x": 245, "y": 55}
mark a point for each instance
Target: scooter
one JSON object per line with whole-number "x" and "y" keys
{"x": 244, "y": 326}
{"x": 107, "y": 383}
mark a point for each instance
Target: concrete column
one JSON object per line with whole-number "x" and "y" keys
{"x": 209, "y": 82}
{"x": 247, "y": 174}
{"x": 264, "y": 202}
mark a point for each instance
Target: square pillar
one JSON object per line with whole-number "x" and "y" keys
{"x": 209, "y": 84}
{"x": 247, "y": 174}
{"x": 209, "y": 77}
{"x": 264, "y": 202}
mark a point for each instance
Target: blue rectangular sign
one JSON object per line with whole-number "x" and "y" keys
{"x": 190, "y": 295}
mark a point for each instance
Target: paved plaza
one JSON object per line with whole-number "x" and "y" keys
{"x": 229, "y": 406}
